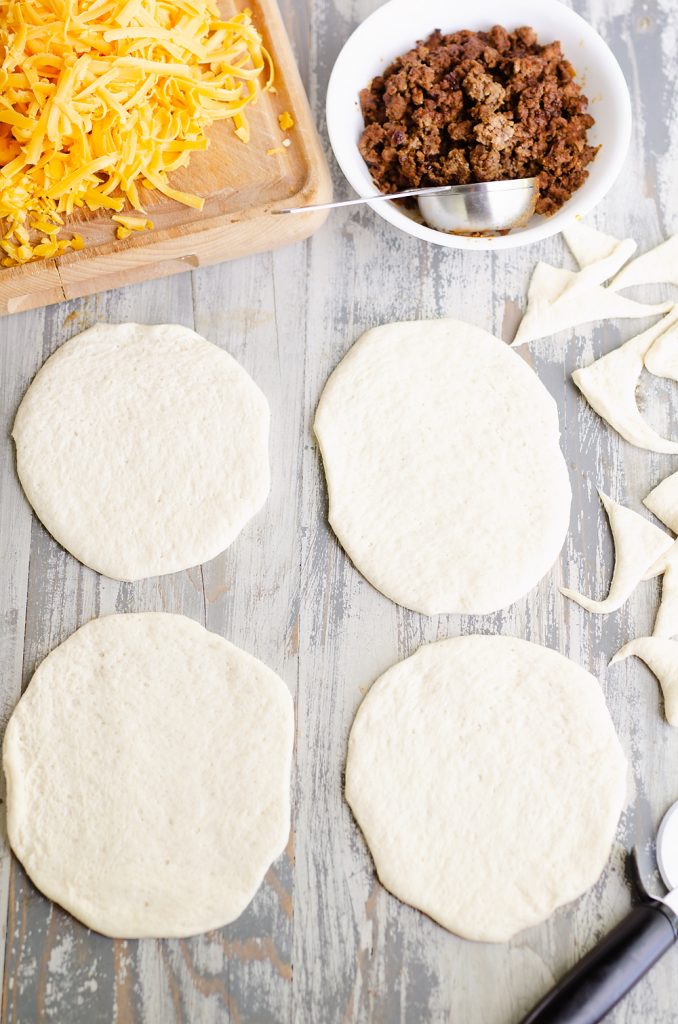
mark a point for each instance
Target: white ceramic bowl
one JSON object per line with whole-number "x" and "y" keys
{"x": 394, "y": 28}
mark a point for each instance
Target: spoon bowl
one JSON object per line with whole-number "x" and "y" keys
{"x": 486, "y": 207}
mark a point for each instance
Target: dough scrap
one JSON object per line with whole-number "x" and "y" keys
{"x": 666, "y": 620}
{"x": 487, "y": 779}
{"x": 658, "y": 266}
{"x": 603, "y": 254}
{"x": 662, "y": 501}
{"x": 559, "y": 299}
{"x": 662, "y": 357}
{"x": 609, "y": 386}
{"x": 447, "y": 486}
{"x": 143, "y": 450}
{"x": 638, "y": 544}
{"x": 661, "y": 657}
{"x": 148, "y": 773}
{"x": 666, "y": 566}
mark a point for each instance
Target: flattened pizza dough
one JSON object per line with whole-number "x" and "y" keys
{"x": 446, "y": 482}
{"x": 147, "y": 770}
{"x": 487, "y": 778}
{"x": 143, "y": 450}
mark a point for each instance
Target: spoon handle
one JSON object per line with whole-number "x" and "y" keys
{"x": 437, "y": 190}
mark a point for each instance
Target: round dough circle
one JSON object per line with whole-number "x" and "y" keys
{"x": 148, "y": 770}
{"x": 487, "y": 778}
{"x": 143, "y": 450}
{"x": 447, "y": 486}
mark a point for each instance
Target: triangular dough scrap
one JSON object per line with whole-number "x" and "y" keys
{"x": 661, "y": 657}
{"x": 658, "y": 266}
{"x": 558, "y": 299}
{"x": 600, "y": 254}
{"x": 609, "y": 386}
{"x": 637, "y": 546}
{"x": 662, "y": 358}
{"x": 663, "y": 502}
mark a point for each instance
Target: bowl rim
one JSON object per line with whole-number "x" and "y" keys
{"x": 581, "y": 202}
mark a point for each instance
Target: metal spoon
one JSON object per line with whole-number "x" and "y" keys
{"x": 597, "y": 983}
{"x": 484, "y": 206}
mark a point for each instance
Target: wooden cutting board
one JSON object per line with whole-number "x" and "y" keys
{"x": 241, "y": 183}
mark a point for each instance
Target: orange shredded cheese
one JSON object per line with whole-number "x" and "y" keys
{"x": 99, "y": 97}
{"x": 286, "y": 121}
{"x": 133, "y": 223}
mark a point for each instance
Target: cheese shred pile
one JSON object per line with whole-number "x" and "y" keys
{"x": 101, "y": 99}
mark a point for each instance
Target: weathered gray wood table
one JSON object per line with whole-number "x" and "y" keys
{"x": 322, "y": 941}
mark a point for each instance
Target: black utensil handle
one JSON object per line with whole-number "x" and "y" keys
{"x": 604, "y": 976}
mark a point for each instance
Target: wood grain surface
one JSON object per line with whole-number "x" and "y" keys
{"x": 322, "y": 941}
{"x": 239, "y": 183}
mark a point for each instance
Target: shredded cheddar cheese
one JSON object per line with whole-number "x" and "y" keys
{"x": 99, "y": 97}
{"x": 286, "y": 121}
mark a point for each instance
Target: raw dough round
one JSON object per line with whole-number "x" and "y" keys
{"x": 143, "y": 450}
{"x": 446, "y": 482}
{"x": 148, "y": 772}
{"x": 487, "y": 778}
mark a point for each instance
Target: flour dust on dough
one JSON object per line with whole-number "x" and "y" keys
{"x": 447, "y": 486}
{"x": 148, "y": 773}
{"x": 487, "y": 778}
{"x": 658, "y": 266}
{"x": 143, "y": 450}
{"x": 609, "y": 386}
{"x": 662, "y": 501}
{"x": 559, "y": 299}
{"x": 600, "y": 254}
{"x": 661, "y": 657}
{"x": 638, "y": 544}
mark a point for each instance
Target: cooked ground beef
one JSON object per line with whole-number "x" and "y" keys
{"x": 478, "y": 106}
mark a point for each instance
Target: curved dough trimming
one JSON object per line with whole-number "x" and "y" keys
{"x": 638, "y": 544}
{"x": 662, "y": 501}
{"x": 661, "y": 657}
{"x": 662, "y": 357}
{"x": 666, "y": 619}
{"x": 609, "y": 386}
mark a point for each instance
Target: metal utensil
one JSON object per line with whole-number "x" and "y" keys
{"x": 480, "y": 208}
{"x": 604, "y": 976}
